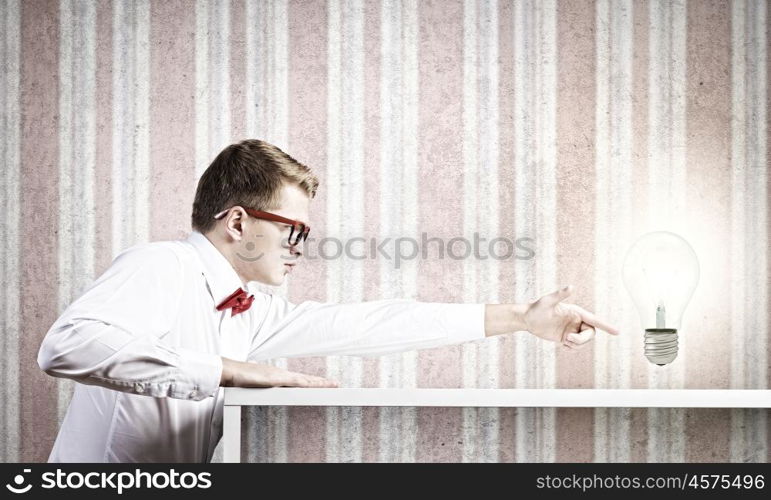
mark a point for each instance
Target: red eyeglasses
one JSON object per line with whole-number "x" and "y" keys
{"x": 298, "y": 232}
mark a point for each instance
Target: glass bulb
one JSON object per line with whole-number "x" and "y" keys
{"x": 660, "y": 272}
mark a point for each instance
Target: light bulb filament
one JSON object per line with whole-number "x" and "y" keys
{"x": 661, "y": 316}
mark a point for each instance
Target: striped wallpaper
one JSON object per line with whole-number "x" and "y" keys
{"x": 579, "y": 124}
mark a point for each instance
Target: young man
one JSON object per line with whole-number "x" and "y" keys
{"x": 155, "y": 337}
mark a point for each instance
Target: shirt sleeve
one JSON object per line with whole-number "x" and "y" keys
{"x": 112, "y": 335}
{"x": 362, "y": 329}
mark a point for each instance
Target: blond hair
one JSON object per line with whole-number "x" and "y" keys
{"x": 251, "y": 174}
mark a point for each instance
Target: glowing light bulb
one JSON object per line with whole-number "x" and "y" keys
{"x": 660, "y": 273}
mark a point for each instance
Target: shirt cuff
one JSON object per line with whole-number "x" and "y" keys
{"x": 461, "y": 322}
{"x": 199, "y": 375}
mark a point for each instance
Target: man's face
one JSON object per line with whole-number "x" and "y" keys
{"x": 263, "y": 254}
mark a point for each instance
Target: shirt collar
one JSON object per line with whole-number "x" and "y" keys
{"x": 220, "y": 275}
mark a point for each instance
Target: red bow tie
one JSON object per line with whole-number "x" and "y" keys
{"x": 238, "y": 301}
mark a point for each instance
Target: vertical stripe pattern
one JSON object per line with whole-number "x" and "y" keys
{"x": 267, "y": 119}
{"x": 398, "y": 204}
{"x": 77, "y": 148}
{"x": 709, "y": 171}
{"x": 480, "y": 166}
{"x": 613, "y": 208}
{"x": 749, "y": 196}
{"x": 38, "y": 245}
{"x": 534, "y": 164}
{"x": 10, "y": 48}
{"x": 345, "y": 160}
{"x": 576, "y": 144}
{"x": 130, "y": 143}
{"x": 578, "y": 125}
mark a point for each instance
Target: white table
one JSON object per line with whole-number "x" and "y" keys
{"x": 236, "y": 397}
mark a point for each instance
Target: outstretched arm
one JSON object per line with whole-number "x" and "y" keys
{"x": 373, "y": 329}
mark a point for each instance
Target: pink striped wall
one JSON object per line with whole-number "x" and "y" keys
{"x": 639, "y": 435}
{"x": 38, "y": 246}
{"x": 307, "y": 140}
{"x": 372, "y": 61}
{"x": 172, "y": 110}
{"x": 103, "y": 139}
{"x": 506, "y": 220}
{"x": 573, "y": 435}
{"x": 768, "y": 189}
{"x": 575, "y": 160}
{"x": 440, "y": 171}
{"x": 709, "y": 162}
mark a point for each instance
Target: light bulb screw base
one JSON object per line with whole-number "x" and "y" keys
{"x": 661, "y": 345}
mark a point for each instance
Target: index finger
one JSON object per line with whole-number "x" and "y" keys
{"x": 593, "y": 320}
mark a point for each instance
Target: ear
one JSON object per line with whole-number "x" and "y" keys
{"x": 233, "y": 223}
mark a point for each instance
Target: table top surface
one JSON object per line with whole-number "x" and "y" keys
{"x": 623, "y": 398}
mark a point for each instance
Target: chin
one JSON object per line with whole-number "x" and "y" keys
{"x": 275, "y": 280}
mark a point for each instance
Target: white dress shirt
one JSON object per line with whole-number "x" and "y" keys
{"x": 145, "y": 342}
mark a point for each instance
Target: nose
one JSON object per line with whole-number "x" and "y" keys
{"x": 296, "y": 250}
